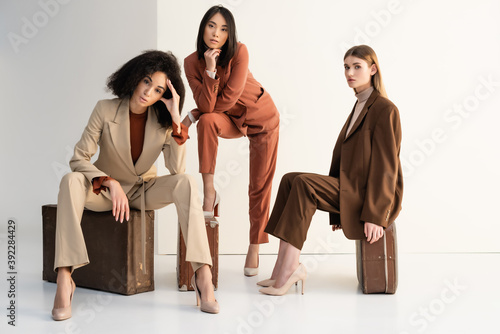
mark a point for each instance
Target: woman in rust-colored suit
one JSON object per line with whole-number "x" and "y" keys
{"x": 232, "y": 104}
{"x": 364, "y": 188}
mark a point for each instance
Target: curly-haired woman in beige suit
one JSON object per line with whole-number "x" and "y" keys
{"x": 131, "y": 131}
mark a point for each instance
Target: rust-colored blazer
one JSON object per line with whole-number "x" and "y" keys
{"x": 234, "y": 91}
{"x": 367, "y": 164}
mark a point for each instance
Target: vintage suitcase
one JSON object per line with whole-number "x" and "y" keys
{"x": 377, "y": 264}
{"x": 114, "y": 251}
{"x": 184, "y": 269}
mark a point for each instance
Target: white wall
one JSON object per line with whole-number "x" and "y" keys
{"x": 48, "y": 89}
{"x": 436, "y": 58}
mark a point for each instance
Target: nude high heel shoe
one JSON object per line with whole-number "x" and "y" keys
{"x": 208, "y": 307}
{"x": 249, "y": 272}
{"x": 63, "y": 313}
{"x": 300, "y": 274}
{"x": 266, "y": 282}
{"x": 215, "y": 210}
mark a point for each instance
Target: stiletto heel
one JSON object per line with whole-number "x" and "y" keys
{"x": 215, "y": 209}
{"x": 197, "y": 299}
{"x": 63, "y": 313}
{"x": 216, "y": 204}
{"x": 300, "y": 274}
{"x": 208, "y": 307}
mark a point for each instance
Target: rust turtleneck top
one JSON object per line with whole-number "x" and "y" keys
{"x": 137, "y": 132}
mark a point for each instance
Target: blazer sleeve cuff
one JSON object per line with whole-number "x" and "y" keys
{"x": 97, "y": 186}
{"x": 180, "y": 138}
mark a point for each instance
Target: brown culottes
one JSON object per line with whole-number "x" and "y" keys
{"x": 299, "y": 196}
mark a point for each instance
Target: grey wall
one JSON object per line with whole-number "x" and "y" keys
{"x": 51, "y": 77}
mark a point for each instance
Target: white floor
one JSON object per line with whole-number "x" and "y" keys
{"x": 437, "y": 293}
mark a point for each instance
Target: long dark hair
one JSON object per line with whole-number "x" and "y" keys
{"x": 229, "y": 48}
{"x": 123, "y": 82}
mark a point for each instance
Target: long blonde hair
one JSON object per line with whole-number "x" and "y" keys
{"x": 367, "y": 54}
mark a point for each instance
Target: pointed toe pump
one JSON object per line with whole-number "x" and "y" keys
{"x": 215, "y": 210}
{"x": 300, "y": 274}
{"x": 206, "y": 306}
{"x": 249, "y": 272}
{"x": 267, "y": 282}
{"x": 63, "y": 313}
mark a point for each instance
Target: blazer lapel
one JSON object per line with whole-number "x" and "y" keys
{"x": 119, "y": 130}
{"x": 346, "y": 125}
{"x": 154, "y": 138}
{"x": 362, "y": 114}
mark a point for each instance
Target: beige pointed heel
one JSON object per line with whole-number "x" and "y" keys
{"x": 300, "y": 274}
{"x": 208, "y": 306}
{"x": 63, "y": 313}
{"x": 267, "y": 282}
{"x": 249, "y": 272}
{"x": 215, "y": 211}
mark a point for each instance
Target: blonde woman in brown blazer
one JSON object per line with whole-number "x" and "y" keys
{"x": 231, "y": 104}
{"x": 131, "y": 131}
{"x": 364, "y": 188}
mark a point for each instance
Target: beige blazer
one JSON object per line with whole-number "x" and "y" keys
{"x": 367, "y": 164}
{"x": 109, "y": 128}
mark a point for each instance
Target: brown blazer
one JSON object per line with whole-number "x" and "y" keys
{"x": 109, "y": 127}
{"x": 234, "y": 91}
{"x": 368, "y": 168}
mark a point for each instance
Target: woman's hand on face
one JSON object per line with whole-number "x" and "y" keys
{"x": 173, "y": 106}
{"x": 211, "y": 56}
{"x": 120, "y": 201}
{"x": 373, "y": 232}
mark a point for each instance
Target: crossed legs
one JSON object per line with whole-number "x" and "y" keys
{"x": 299, "y": 196}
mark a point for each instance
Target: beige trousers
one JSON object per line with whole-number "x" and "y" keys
{"x": 75, "y": 194}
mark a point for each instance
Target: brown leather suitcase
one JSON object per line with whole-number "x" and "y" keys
{"x": 184, "y": 269}
{"x": 114, "y": 251}
{"x": 377, "y": 264}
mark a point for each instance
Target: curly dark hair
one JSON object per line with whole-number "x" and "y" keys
{"x": 123, "y": 82}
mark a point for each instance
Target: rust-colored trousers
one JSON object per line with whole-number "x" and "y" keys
{"x": 299, "y": 196}
{"x": 263, "y": 154}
